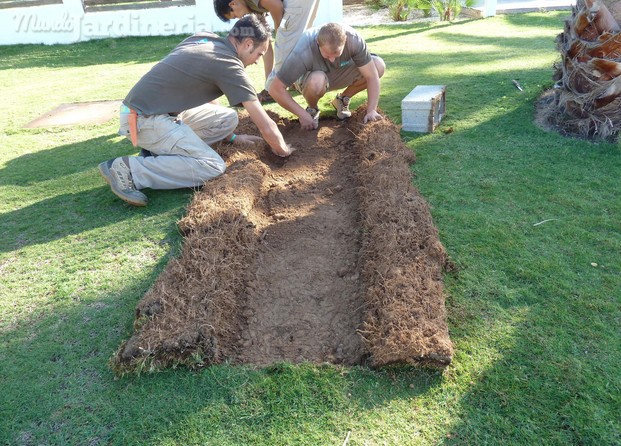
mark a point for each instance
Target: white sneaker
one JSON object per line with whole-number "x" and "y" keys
{"x": 341, "y": 103}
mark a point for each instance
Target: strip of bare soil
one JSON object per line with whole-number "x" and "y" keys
{"x": 327, "y": 256}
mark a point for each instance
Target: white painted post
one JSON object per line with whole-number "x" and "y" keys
{"x": 485, "y": 8}
{"x": 489, "y": 8}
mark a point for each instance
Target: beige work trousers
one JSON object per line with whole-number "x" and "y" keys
{"x": 184, "y": 157}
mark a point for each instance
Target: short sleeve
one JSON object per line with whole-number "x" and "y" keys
{"x": 358, "y": 49}
{"x": 236, "y": 85}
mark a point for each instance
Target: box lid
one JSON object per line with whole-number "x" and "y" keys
{"x": 424, "y": 93}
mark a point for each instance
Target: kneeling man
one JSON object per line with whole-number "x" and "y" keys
{"x": 328, "y": 58}
{"x": 171, "y": 114}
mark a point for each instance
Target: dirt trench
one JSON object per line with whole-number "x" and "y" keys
{"x": 329, "y": 256}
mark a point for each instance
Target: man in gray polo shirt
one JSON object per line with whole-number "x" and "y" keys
{"x": 329, "y": 58}
{"x": 171, "y": 113}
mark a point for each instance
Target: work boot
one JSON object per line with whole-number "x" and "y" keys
{"x": 117, "y": 174}
{"x": 341, "y": 103}
{"x": 314, "y": 113}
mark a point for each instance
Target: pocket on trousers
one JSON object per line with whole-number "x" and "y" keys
{"x": 153, "y": 129}
{"x": 288, "y": 17}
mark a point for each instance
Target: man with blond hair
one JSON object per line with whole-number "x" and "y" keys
{"x": 328, "y": 58}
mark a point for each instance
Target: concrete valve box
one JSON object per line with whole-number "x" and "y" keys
{"x": 423, "y": 109}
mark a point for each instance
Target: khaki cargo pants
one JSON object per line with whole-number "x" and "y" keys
{"x": 182, "y": 145}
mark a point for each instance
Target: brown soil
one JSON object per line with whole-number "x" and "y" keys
{"x": 329, "y": 256}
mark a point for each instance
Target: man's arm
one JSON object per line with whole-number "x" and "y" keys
{"x": 275, "y": 8}
{"x": 279, "y": 92}
{"x": 268, "y": 60}
{"x": 371, "y": 76}
{"x": 268, "y": 128}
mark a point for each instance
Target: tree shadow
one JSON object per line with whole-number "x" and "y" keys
{"x": 78, "y": 400}
{"x": 550, "y": 19}
{"x": 502, "y": 44}
{"x": 295, "y": 404}
{"x": 94, "y": 52}
{"x": 74, "y": 398}
{"x": 540, "y": 388}
{"x": 69, "y": 159}
{"x": 64, "y": 212}
{"x": 72, "y": 213}
{"x": 540, "y": 314}
{"x": 405, "y": 30}
{"x": 60, "y": 353}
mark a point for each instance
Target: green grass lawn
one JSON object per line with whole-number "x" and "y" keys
{"x": 534, "y": 309}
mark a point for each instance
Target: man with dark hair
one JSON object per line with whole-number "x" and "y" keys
{"x": 329, "y": 58}
{"x": 171, "y": 113}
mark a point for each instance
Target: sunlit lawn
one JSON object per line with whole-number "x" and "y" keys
{"x": 531, "y": 219}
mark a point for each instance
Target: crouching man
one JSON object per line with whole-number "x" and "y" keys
{"x": 328, "y": 58}
{"x": 170, "y": 113}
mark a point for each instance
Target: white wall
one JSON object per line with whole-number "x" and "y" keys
{"x": 67, "y": 22}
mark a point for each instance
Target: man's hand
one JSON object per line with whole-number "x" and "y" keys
{"x": 372, "y": 116}
{"x": 252, "y": 139}
{"x": 248, "y": 139}
{"x": 268, "y": 128}
{"x": 279, "y": 92}
{"x": 307, "y": 122}
{"x": 290, "y": 150}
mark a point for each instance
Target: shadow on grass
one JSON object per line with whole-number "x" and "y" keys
{"x": 65, "y": 213}
{"x": 552, "y": 379}
{"x": 505, "y": 45}
{"x": 61, "y": 161}
{"x": 70, "y": 214}
{"x": 60, "y": 354}
{"x": 550, "y": 20}
{"x": 527, "y": 298}
{"x": 468, "y": 89}
{"x": 95, "y": 52}
{"x": 299, "y": 404}
{"x": 552, "y": 376}
{"x": 553, "y": 19}
{"x": 404, "y": 30}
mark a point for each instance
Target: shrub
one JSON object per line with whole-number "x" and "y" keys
{"x": 448, "y": 10}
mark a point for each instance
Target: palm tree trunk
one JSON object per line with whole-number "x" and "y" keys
{"x": 586, "y": 100}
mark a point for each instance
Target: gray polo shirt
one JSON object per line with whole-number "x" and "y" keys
{"x": 200, "y": 69}
{"x": 306, "y": 57}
